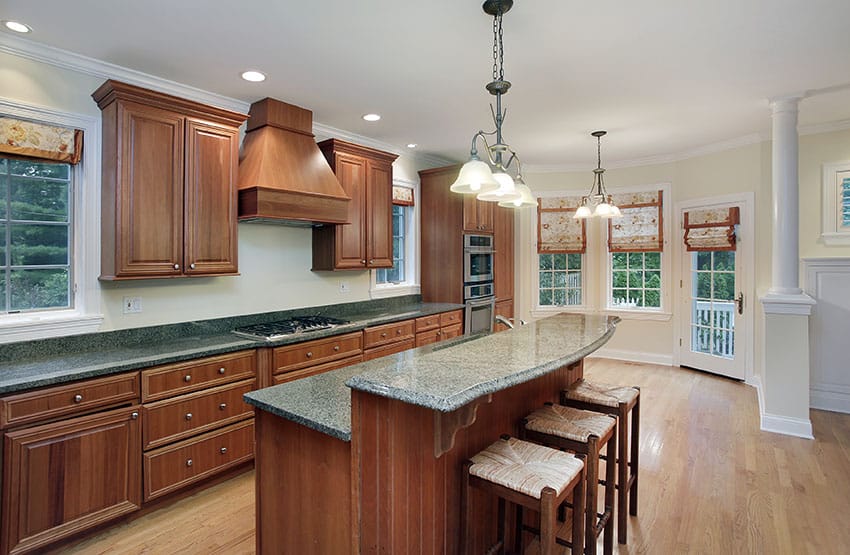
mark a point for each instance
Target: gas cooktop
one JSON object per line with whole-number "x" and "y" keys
{"x": 283, "y": 328}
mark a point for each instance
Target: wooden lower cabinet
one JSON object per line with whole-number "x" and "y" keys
{"x": 65, "y": 477}
{"x": 389, "y": 349}
{"x": 178, "y": 465}
{"x": 313, "y": 370}
{"x": 427, "y": 337}
{"x": 451, "y": 332}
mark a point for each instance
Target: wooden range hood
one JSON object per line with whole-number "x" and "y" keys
{"x": 283, "y": 176}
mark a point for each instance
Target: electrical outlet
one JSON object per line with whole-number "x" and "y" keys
{"x": 132, "y": 305}
{"x": 344, "y": 287}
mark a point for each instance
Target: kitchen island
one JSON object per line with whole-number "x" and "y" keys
{"x": 368, "y": 458}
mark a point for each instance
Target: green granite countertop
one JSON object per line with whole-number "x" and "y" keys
{"x": 443, "y": 376}
{"x": 32, "y": 364}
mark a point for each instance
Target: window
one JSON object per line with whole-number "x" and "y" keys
{"x": 396, "y": 274}
{"x": 635, "y": 280}
{"x": 559, "y": 279}
{"x": 836, "y": 204}
{"x": 36, "y": 235}
{"x": 845, "y": 203}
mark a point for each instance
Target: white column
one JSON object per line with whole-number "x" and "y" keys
{"x": 786, "y": 204}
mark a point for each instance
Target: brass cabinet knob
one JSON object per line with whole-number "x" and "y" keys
{"x": 222, "y": 406}
{"x": 187, "y": 378}
{"x": 177, "y": 266}
{"x": 398, "y": 331}
{"x": 78, "y": 398}
{"x": 363, "y": 261}
{"x": 336, "y": 347}
{"x": 188, "y": 416}
{"x": 134, "y": 416}
{"x": 221, "y": 370}
{"x": 384, "y": 334}
{"x": 192, "y": 266}
{"x": 309, "y": 354}
{"x": 223, "y": 450}
{"x": 188, "y": 462}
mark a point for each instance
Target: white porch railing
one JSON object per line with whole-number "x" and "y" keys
{"x": 713, "y": 336}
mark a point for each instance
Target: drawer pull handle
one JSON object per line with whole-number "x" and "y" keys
{"x": 336, "y": 347}
{"x": 188, "y": 462}
{"x": 78, "y": 398}
{"x": 134, "y": 416}
{"x": 309, "y": 354}
{"x": 187, "y": 378}
{"x": 188, "y": 416}
{"x": 223, "y": 450}
{"x": 222, "y": 370}
{"x": 384, "y": 334}
{"x": 222, "y": 406}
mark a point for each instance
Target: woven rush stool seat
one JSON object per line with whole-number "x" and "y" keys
{"x": 532, "y": 476}
{"x": 624, "y": 403}
{"x": 584, "y": 432}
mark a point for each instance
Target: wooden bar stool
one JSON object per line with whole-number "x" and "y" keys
{"x": 620, "y": 402}
{"x": 583, "y": 432}
{"x": 528, "y": 475}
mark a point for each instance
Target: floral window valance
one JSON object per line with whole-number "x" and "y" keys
{"x": 711, "y": 229}
{"x": 641, "y": 227}
{"x": 557, "y": 230}
{"x": 38, "y": 140}
{"x": 402, "y": 196}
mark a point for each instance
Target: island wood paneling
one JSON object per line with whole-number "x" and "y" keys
{"x": 409, "y": 498}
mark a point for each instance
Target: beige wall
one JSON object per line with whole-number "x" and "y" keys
{"x": 274, "y": 261}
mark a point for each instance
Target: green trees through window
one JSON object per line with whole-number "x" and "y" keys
{"x": 636, "y": 279}
{"x": 35, "y": 235}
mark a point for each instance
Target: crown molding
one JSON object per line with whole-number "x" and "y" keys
{"x": 827, "y": 127}
{"x": 323, "y": 131}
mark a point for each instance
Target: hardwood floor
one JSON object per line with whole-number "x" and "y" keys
{"x": 710, "y": 481}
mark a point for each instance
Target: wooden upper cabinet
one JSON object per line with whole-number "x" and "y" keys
{"x": 366, "y": 242}
{"x": 168, "y": 185}
{"x": 477, "y": 215}
{"x": 503, "y": 259}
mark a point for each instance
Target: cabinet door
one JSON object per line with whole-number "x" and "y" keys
{"x": 485, "y": 215}
{"x": 503, "y": 259}
{"x": 61, "y": 478}
{"x": 379, "y": 216}
{"x": 149, "y": 195}
{"x": 212, "y": 158}
{"x": 477, "y": 215}
{"x": 350, "y": 244}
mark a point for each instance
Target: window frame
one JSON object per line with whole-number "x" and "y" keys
{"x": 85, "y": 315}
{"x": 410, "y": 285}
{"x": 833, "y": 232}
{"x": 559, "y": 308}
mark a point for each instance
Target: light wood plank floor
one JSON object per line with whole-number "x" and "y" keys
{"x": 710, "y": 481}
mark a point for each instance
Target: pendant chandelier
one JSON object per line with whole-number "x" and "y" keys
{"x": 476, "y": 176}
{"x": 598, "y": 198}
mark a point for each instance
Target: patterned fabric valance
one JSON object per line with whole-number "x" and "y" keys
{"x": 557, "y": 230}
{"x": 641, "y": 228}
{"x": 711, "y": 229}
{"x": 37, "y": 140}
{"x": 403, "y": 196}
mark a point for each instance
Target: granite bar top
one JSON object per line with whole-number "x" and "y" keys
{"x": 32, "y": 364}
{"x": 443, "y": 376}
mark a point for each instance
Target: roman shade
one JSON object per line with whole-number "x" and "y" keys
{"x": 402, "y": 196}
{"x": 641, "y": 227}
{"x": 38, "y": 140}
{"x": 711, "y": 229}
{"x": 557, "y": 230}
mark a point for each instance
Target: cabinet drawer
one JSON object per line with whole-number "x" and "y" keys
{"x": 183, "y": 463}
{"x": 450, "y": 332}
{"x": 65, "y": 400}
{"x": 427, "y": 337}
{"x": 427, "y": 323}
{"x": 310, "y": 353}
{"x": 184, "y": 377}
{"x": 388, "y": 333}
{"x": 173, "y": 419}
{"x": 390, "y": 349}
{"x": 317, "y": 369}
{"x": 451, "y": 318}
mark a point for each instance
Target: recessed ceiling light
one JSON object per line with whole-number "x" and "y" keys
{"x": 17, "y": 26}
{"x": 411, "y": 145}
{"x": 254, "y": 76}
{"x": 371, "y": 117}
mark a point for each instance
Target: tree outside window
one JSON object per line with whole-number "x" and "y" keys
{"x": 396, "y": 273}
{"x": 636, "y": 280}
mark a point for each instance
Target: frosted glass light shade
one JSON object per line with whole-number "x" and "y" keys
{"x": 582, "y": 212}
{"x": 603, "y": 210}
{"x": 474, "y": 177}
{"x": 506, "y": 192}
{"x": 615, "y": 212}
{"x": 526, "y": 198}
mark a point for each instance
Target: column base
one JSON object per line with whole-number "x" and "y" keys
{"x": 775, "y": 302}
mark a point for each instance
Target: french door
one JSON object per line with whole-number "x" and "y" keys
{"x": 715, "y": 328}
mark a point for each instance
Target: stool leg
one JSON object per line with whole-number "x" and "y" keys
{"x": 465, "y": 513}
{"x": 500, "y": 527}
{"x": 592, "y": 466}
{"x": 518, "y": 532}
{"x": 633, "y": 492}
{"x": 548, "y": 522}
{"x": 622, "y": 472}
{"x": 579, "y": 501}
{"x": 610, "y": 480}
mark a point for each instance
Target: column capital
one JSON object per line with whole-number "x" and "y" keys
{"x": 786, "y": 103}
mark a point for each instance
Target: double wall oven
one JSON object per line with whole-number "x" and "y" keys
{"x": 478, "y": 295}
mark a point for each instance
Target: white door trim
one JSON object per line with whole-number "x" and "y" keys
{"x": 747, "y": 229}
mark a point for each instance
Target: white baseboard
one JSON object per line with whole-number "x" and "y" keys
{"x": 799, "y": 427}
{"x": 634, "y": 356}
{"x": 834, "y": 401}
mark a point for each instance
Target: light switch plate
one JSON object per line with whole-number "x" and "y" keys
{"x": 344, "y": 287}
{"x": 132, "y": 305}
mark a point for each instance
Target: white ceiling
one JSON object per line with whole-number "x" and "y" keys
{"x": 662, "y": 76}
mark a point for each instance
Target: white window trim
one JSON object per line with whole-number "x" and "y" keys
{"x": 85, "y": 317}
{"x": 410, "y": 286}
{"x": 832, "y": 232}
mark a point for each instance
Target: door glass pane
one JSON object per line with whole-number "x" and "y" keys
{"x": 712, "y": 304}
